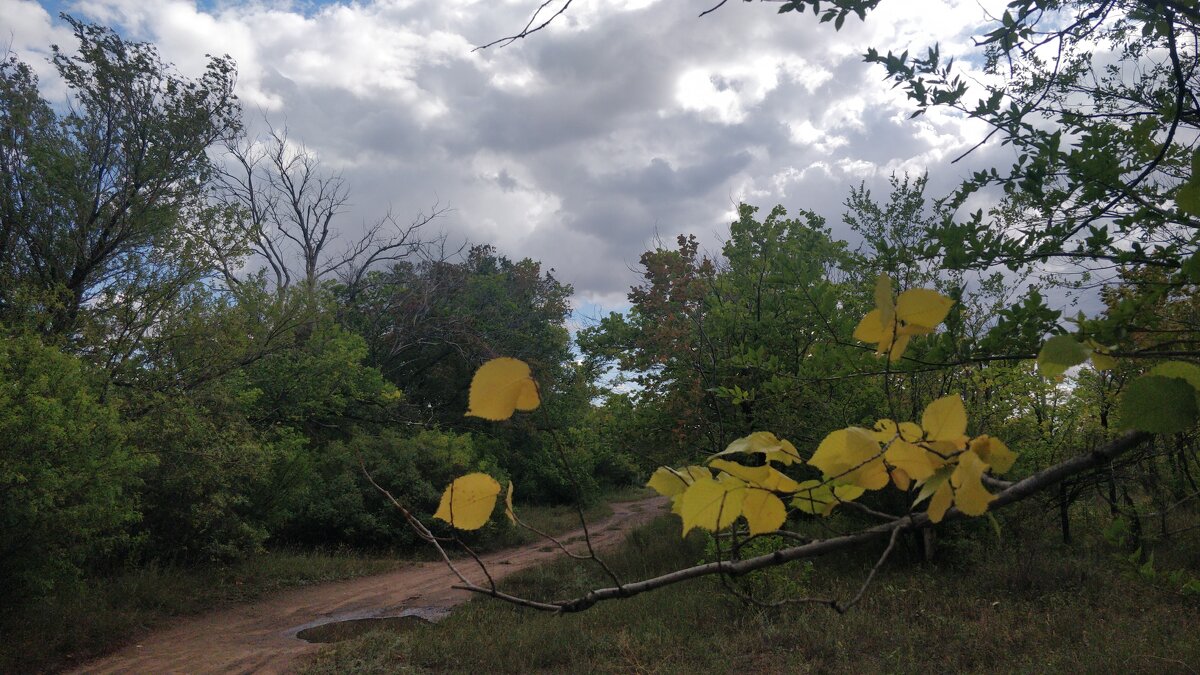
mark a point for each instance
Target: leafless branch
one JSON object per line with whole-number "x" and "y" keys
{"x": 529, "y": 28}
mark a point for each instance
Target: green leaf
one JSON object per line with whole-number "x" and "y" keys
{"x": 996, "y": 527}
{"x": 1183, "y": 370}
{"x": 1060, "y": 353}
{"x": 1188, "y": 198}
{"x": 1191, "y": 267}
{"x": 1158, "y": 404}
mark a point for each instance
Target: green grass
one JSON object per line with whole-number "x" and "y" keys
{"x": 1024, "y": 604}
{"x": 101, "y": 614}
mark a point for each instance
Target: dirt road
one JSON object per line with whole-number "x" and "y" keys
{"x": 261, "y": 637}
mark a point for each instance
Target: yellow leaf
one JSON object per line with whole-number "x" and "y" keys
{"x": 786, "y": 454}
{"x": 994, "y": 452}
{"x": 508, "y": 507}
{"x": 871, "y": 328}
{"x": 923, "y": 307}
{"x": 468, "y": 501}
{"x": 527, "y": 396}
{"x": 711, "y": 505}
{"x": 764, "y": 512}
{"x": 942, "y": 452}
{"x": 901, "y": 480}
{"x": 885, "y": 430}
{"x": 846, "y": 493}
{"x": 969, "y": 494}
{"x": 931, "y": 484}
{"x": 814, "y": 496}
{"x": 912, "y": 459}
{"x": 910, "y": 432}
{"x": 765, "y": 477}
{"x": 759, "y": 441}
{"x": 500, "y": 387}
{"x": 898, "y": 347}
{"x": 668, "y": 482}
{"x": 940, "y": 502}
{"x": 945, "y": 420}
{"x": 853, "y": 456}
{"x": 774, "y": 448}
{"x": 893, "y": 323}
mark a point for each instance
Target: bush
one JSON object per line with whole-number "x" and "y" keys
{"x": 67, "y": 473}
{"x": 336, "y": 504}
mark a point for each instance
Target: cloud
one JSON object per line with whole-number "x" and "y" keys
{"x": 623, "y": 123}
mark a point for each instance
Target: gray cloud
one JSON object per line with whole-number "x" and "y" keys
{"x": 582, "y": 144}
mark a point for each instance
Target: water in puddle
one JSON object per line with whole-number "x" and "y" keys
{"x": 337, "y": 631}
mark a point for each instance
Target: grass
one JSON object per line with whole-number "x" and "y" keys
{"x": 1027, "y": 603}
{"x": 102, "y": 614}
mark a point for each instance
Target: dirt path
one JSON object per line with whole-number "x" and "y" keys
{"x": 261, "y": 637}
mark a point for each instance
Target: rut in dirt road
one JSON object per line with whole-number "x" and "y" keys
{"x": 261, "y": 637}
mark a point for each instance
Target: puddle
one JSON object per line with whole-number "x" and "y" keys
{"x": 337, "y": 631}
{"x": 353, "y": 624}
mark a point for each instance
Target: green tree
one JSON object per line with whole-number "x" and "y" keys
{"x": 102, "y": 203}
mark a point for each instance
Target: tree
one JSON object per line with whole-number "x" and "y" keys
{"x": 287, "y": 208}
{"x": 102, "y": 204}
{"x": 429, "y": 325}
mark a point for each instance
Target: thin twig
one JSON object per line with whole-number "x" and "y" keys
{"x": 842, "y": 609}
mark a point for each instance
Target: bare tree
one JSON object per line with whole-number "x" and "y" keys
{"x": 289, "y": 208}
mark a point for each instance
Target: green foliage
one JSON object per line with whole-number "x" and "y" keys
{"x": 334, "y": 504}
{"x": 68, "y": 475}
{"x": 1159, "y": 404}
{"x": 103, "y": 205}
{"x": 772, "y": 584}
{"x": 429, "y": 326}
{"x": 1060, "y": 353}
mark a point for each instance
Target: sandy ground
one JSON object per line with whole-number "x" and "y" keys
{"x": 261, "y": 637}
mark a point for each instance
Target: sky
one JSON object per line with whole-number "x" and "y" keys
{"x": 623, "y": 124}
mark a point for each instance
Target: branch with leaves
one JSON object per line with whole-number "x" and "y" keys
{"x": 746, "y": 490}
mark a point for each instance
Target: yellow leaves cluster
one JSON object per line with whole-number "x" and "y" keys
{"x": 936, "y": 455}
{"x": 713, "y": 497}
{"x": 893, "y": 323}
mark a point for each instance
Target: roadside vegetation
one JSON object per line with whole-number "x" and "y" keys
{"x": 1023, "y": 603}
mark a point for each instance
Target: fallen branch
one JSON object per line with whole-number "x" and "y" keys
{"x": 1016, "y": 492}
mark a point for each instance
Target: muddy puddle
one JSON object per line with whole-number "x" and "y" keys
{"x": 336, "y": 631}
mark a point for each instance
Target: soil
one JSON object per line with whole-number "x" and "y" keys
{"x": 261, "y": 637}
